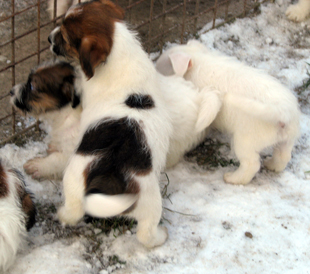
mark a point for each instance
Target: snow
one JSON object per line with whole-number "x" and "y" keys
{"x": 262, "y": 227}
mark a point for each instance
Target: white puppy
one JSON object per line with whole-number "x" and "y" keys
{"x": 253, "y": 107}
{"x": 49, "y": 94}
{"x": 17, "y": 214}
{"x": 125, "y": 125}
{"x": 299, "y": 11}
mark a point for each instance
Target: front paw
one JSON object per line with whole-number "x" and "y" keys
{"x": 296, "y": 13}
{"x": 69, "y": 217}
{"x": 33, "y": 168}
{"x": 231, "y": 178}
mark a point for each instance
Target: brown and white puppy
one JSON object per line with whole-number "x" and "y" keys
{"x": 17, "y": 214}
{"x": 49, "y": 95}
{"x": 125, "y": 125}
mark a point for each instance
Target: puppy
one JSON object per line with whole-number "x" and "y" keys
{"x": 17, "y": 214}
{"x": 254, "y": 108}
{"x": 49, "y": 95}
{"x": 125, "y": 125}
{"x": 299, "y": 11}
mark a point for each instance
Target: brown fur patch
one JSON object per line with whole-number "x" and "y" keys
{"x": 4, "y": 188}
{"x": 42, "y": 103}
{"x": 87, "y": 32}
{"x": 27, "y": 205}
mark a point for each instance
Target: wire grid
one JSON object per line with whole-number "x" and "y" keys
{"x": 25, "y": 25}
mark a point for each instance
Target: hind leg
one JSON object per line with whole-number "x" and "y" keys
{"x": 249, "y": 159}
{"x": 74, "y": 190}
{"x": 148, "y": 213}
{"x": 281, "y": 156}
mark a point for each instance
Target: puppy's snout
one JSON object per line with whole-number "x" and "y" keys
{"x": 11, "y": 93}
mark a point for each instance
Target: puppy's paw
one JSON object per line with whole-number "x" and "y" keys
{"x": 296, "y": 13}
{"x": 157, "y": 239}
{"x": 162, "y": 235}
{"x": 232, "y": 178}
{"x": 35, "y": 168}
{"x": 69, "y": 217}
{"x": 273, "y": 165}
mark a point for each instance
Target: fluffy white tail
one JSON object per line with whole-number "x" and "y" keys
{"x": 275, "y": 113}
{"x": 209, "y": 108}
{"x": 102, "y": 206}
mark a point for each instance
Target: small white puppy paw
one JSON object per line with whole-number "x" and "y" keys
{"x": 232, "y": 178}
{"x": 153, "y": 240}
{"x": 273, "y": 165}
{"x": 296, "y": 13}
{"x": 34, "y": 168}
{"x": 69, "y": 217}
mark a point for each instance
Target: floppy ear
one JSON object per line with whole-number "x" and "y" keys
{"x": 69, "y": 91}
{"x": 93, "y": 53}
{"x": 181, "y": 62}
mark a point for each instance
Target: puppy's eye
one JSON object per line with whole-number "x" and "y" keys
{"x": 31, "y": 86}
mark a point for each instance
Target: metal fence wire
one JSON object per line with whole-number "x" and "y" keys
{"x": 26, "y": 24}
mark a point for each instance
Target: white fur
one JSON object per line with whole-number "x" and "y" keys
{"x": 298, "y": 12}
{"x": 183, "y": 100}
{"x": 127, "y": 70}
{"x": 12, "y": 221}
{"x": 253, "y": 107}
{"x": 62, "y": 138}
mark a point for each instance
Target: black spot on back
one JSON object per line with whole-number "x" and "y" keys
{"x": 121, "y": 150}
{"x": 140, "y": 101}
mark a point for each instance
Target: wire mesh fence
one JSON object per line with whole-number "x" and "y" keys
{"x": 26, "y": 24}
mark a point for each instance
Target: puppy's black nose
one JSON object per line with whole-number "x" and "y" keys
{"x": 49, "y": 39}
{"x": 11, "y": 93}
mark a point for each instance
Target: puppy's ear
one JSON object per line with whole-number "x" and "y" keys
{"x": 181, "y": 62}
{"x": 163, "y": 65}
{"x": 69, "y": 91}
{"x": 92, "y": 53}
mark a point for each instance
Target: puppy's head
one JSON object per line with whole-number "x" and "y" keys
{"x": 86, "y": 33}
{"x": 48, "y": 88}
{"x": 13, "y": 189}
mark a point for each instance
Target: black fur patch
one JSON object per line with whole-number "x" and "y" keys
{"x": 140, "y": 101}
{"x": 4, "y": 188}
{"x": 26, "y": 201}
{"x": 121, "y": 150}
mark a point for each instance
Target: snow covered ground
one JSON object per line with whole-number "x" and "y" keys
{"x": 263, "y": 227}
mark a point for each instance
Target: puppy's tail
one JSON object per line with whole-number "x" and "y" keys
{"x": 210, "y": 105}
{"x": 282, "y": 113}
{"x": 101, "y": 206}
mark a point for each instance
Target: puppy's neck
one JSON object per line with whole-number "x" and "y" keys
{"x": 59, "y": 118}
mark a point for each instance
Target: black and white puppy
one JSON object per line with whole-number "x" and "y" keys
{"x": 125, "y": 125}
{"x": 17, "y": 214}
{"x": 49, "y": 95}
